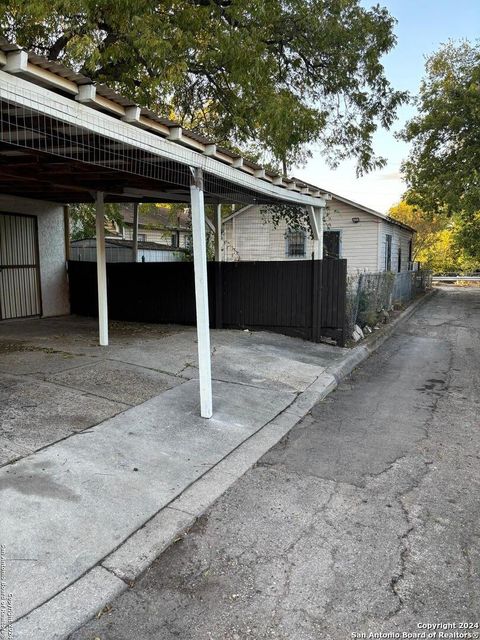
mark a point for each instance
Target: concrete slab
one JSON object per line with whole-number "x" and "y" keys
{"x": 34, "y": 414}
{"x": 22, "y": 359}
{"x": 257, "y": 366}
{"x": 66, "y": 507}
{"x": 59, "y": 617}
{"x": 117, "y": 381}
{"x": 146, "y": 544}
{"x": 277, "y": 344}
{"x": 172, "y": 353}
{"x": 196, "y": 499}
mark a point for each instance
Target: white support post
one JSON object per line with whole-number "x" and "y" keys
{"x": 319, "y": 215}
{"x": 315, "y": 231}
{"x": 135, "y": 233}
{"x": 201, "y": 292}
{"x": 101, "y": 270}
{"x": 218, "y": 233}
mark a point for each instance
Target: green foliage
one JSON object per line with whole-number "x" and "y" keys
{"x": 427, "y": 226}
{"x": 82, "y": 219}
{"x": 467, "y": 238}
{"x": 272, "y": 76}
{"x": 373, "y": 294}
{"x": 443, "y": 168}
{"x": 441, "y": 242}
{"x": 295, "y": 216}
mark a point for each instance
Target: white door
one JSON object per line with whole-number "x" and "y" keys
{"x": 19, "y": 267}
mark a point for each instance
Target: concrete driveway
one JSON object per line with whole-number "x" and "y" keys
{"x": 56, "y": 381}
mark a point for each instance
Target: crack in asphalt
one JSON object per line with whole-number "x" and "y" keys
{"x": 405, "y": 545}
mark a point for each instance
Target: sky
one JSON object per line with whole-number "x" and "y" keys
{"x": 423, "y": 25}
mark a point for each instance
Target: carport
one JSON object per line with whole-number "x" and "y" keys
{"x": 65, "y": 140}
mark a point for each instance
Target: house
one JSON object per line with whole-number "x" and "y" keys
{"x": 367, "y": 239}
{"x": 171, "y": 227}
{"x": 120, "y": 250}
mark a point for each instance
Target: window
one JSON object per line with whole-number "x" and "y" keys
{"x": 175, "y": 240}
{"x": 388, "y": 252}
{"x": 142, "y": 237}
{"x": 410, "y": 251}
{"x": 295, "y": 243}
{"x": 331, "y": 244}
{"x": 399, "y": 263}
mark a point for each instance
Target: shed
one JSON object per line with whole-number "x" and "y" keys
{"x": 119, "y": 250}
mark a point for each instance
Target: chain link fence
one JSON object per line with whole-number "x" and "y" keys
{"x": 369, "y": 294}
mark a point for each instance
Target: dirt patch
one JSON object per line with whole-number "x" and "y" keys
{"x": 15, "y": 346}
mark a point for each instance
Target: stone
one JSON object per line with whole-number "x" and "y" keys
{"x": 359, "y": 331}
{"x": 384, "y": 316}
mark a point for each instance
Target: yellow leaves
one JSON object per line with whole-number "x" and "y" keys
{"x": 435, "y": 243}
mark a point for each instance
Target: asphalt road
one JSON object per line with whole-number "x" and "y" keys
{"x": 364, "y": 519}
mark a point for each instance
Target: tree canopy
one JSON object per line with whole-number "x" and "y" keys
{"x": 443, "y": 168}
{"x": 272, "y": 77}
{"x": 438, "y": 243}
{"x": 83, "y": 219}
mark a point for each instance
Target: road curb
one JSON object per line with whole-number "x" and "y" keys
{"x": 77, "y": 604}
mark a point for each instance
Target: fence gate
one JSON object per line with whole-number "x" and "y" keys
{"x": 19, "y": 267}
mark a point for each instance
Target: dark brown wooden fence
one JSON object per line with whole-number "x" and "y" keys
{"x": 304, "y": 298}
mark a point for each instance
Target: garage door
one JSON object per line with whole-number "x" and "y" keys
{"x": 19, "y": 268}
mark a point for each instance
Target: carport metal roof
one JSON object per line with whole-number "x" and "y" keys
{"x": 67, "y": 140}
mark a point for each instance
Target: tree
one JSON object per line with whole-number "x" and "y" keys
{"x": 427, "y": 227}
{"x": 273, "y": 77}
{"x": 437, "y": 244}
{"x": 83, "y": 219}
{"x": 443, "y": 169}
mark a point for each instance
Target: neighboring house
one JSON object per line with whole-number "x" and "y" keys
{"x": 157, "y": 224}
{"x": 119, "y": 250}
{"x": 370, "y": 241}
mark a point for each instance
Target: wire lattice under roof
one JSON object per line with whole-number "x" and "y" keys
{"x": 52, "y": 113}
{"x": 122, "y": 170}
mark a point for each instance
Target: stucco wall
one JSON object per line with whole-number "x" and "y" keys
{"x": 51, "y": 243}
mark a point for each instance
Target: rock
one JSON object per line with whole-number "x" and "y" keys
{"x": 384, "y": 316}
{"x": 366, "y": 329}
{"x": 376, "y": 327}
{"x": 356, "y": 336}
{"x": 359, "y": 331}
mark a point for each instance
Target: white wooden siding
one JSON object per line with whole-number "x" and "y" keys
{"x": 359, "y": 241}
{"x": 400, "y": 238}
{"x": 247, "y": 237}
